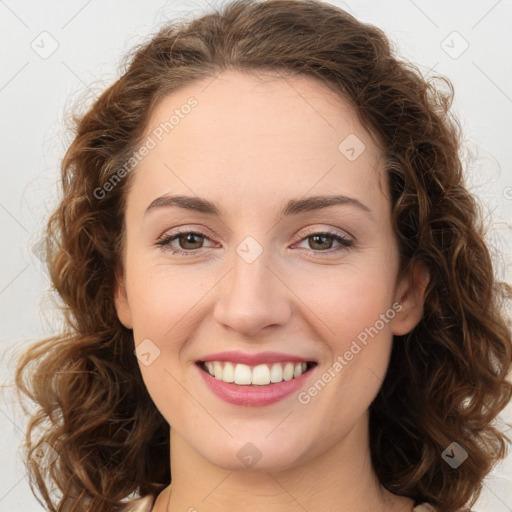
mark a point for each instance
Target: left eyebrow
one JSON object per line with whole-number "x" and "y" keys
{"x": 313, "y": 203}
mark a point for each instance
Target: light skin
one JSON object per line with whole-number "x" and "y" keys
{"x": 252, "y": 144}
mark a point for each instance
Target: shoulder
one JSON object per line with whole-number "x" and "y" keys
{"x": 144, "y": 504}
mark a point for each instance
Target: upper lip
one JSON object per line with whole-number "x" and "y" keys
{"x": 255, "y": 359}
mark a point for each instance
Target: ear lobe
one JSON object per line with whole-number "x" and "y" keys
{"x": 121, "y": 302}
{"x": 411, "y": 294}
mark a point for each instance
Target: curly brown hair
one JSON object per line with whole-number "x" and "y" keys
{"x": 447, "y": 379}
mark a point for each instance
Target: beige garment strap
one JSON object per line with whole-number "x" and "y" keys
{"x": 144, "y": 504}
{"x": 424, "y": 508}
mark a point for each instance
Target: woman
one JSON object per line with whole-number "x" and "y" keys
{"x": 275, "y": 282}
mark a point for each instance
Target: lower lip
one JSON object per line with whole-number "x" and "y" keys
{"x": 253, "y": 395}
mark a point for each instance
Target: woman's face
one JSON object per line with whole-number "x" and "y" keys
{"x": 293, "y": 260}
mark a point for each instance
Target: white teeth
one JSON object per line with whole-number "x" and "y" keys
{"x": 259, "y": 375}
{"x": 229, "y": 372}
{"x": 217, "y": 369}
{"x": 242, "y": 374}
{"x": 288, "y": 371}
{"x": 276, "y": 373}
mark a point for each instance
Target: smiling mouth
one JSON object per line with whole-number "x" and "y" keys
{"x": 258, "y": 375}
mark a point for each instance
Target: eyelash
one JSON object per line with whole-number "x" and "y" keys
{"x": 165, "y": 241}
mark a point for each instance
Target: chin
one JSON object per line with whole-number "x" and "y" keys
{"x": 254, "y": 454}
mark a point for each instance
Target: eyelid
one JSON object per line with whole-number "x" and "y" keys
{"x": 346, "y": 243}
{"x": 188, "y": 228}
{"x": 330, "y": 230}
{"x": 167, "y": 237}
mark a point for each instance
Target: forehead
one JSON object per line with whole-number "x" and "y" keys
{"x": 259, "y": 133}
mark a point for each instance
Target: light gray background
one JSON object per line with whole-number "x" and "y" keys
{"x": 37, "y": 88}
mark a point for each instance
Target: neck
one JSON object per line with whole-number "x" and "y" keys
{"x": 340, "y": 479}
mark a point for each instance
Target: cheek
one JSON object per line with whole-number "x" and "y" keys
{"x": 358, "y": 343}
{"x": 350, "y": 299}
{"x": 365, "y": 313}
{"x": 167, "y": 305}
{"x": 163, "y": 301}
{"x": 353, "y": 308}
{"x": 161, "y": 298}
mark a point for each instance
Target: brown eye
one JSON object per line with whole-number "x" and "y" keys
{"x": 320, "y": 242}
{"x": 190, "y": 241}
{"x": 184, "y": 242}
{"x": 324, "y": 242}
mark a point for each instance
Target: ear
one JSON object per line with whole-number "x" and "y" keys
{"x": 121, "y": 301}
{"x": 410, "y": 292}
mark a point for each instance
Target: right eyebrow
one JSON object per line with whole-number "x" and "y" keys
{"x": 196, "y": 204}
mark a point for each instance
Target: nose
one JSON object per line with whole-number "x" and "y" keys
{"x": 252, "y": 298}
